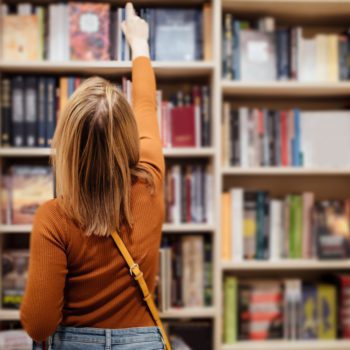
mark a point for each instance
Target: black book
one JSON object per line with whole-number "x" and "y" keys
{"x": 42, "y": 112}
{"x": 205, "y": 110}
{"x": 30, "y": 111}
{"x": 17, "y": 122}
{"x": 5, "y": 112}
{"x": 234, "y": 138}
{"x": 51, "y": 110}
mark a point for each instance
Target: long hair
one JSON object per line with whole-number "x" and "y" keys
{"x": 97, "y": 158}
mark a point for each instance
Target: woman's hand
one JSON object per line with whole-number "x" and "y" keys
{"x": 136, "y": 32}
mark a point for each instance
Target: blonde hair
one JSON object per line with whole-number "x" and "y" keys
{"x": 97, "y": 158}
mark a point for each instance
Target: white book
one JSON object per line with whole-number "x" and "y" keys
{"x": 321, "y": 57}
{"x": 243, "y": 133}
{"x": 66, "y": 34}
{"x": 276, "y": 229}
{"x": 309, "y": 246}
{"x": 332, "y": 126}
{"x": 52, "y": 37}
{"x": 129, "y": 91}
{"x": 209, "y": 185}
{"x": 299, "y": 58}
{"x": 59, "y": 33}
{"x": 24, "y": 9}
{"x": 176, "y": 207}
{"x": 237, "y": 223}
{"x": 308, "y": 60}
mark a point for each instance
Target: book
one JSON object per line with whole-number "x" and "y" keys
{"x": 230, "y": 310}
{"x": 326, "y": 305}
{"x": 20, "y": 38}
{"x": 309, "y": 320}
{"x": 5, "y": 112}
{"x": 30, "y": 110}
{"x": 15, "y": 339}
{"x": 183, "y": 126}
{"x": 237, "y": 224}
{"x": 14, "y": 277}
{"x": 226, "y": 222}
{"x": 89, "y": 31}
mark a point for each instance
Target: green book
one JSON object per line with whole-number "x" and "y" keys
{"x": 298, "y": 202}
{"x": 230, "y": 310}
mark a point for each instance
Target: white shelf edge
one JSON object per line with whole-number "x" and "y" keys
{"x": 190, "y": 312}
{"x": 288, "y": 264}
{"x": 45, "y": 152}
{"x": 9, "y": 315}
{"x": 289, "y": 345}
{"x": 283, "y": 171}
{"x": 176, "y": 228}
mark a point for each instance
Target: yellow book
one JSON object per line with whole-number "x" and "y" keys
{"x": 63, "y": 93}
{"x": 333, "y": 58}
{"x": 226, "y": 244}
{"x": 327, "y": 311}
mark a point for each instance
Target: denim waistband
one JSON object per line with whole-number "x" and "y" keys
{"x": 113, "y": 332}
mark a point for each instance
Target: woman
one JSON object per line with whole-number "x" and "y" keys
{"x": 109, "y": 168}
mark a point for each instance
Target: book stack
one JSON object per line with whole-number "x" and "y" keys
{"x": 23, "y": 190}
{"x": 30, "y": 107}
{"x": 258, "y": 51}
{"x": 92, "y": 31}
{"x": 255, "y": 137}
{"x": 289, "y": 309}
{"x": 185, "y": 273}
{"x": 188, "y": 195}
{"x": 295, "y": 227}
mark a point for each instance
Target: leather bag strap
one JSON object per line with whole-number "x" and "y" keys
{"x": 137, "y": 274}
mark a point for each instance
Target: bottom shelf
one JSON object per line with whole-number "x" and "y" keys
{"x": 290, "y": 345}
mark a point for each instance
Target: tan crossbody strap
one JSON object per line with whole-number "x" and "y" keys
{"x": 138, "y": 277}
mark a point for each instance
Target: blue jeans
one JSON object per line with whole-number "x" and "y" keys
{"x": 139, "y": 338}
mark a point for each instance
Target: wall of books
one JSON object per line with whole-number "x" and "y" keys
{"x": 253, "y": 109}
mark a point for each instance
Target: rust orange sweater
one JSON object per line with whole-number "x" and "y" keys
{"x": 82, "y": 281}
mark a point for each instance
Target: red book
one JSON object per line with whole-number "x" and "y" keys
{"x": 89, "y": 31}
{"x": 183, "y": 132}
{"x": 284, "y": 139}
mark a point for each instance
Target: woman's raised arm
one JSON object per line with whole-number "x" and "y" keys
{"x": 144, "y": 91}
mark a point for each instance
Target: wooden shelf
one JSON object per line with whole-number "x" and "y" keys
{"x": 204, "y": 312}
{"x": 287, "y": 89}
{"x": 278, "y": 171}
{"x": 168, "y": 152}
{"x": 166, "y": 69}
{"x": 290, "y": 345}
{"x": 301, "y": 10}
{"x": 286, "y": 265}
{"x": 15, "y": 228}
{"x": 9, "y": 315}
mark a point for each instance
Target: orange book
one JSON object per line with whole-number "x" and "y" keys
{"x": 21, "y": 38}
{"x": 207, "y": 32}
{"x": 63, "y": 93}
{"x": 226, "y": 245}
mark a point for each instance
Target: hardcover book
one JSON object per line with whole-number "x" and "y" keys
{"x": 89, "y": 31}
{"x": 183, "y": 126}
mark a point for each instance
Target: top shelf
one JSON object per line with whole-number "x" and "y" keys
{"x": 166, "y": 69}
{"x": 315, "y": 10}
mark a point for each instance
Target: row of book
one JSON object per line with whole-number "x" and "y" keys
{"x": 291, "y": 309}
{"x": 185, "y": 273}
{"x": 23, "y": 189}
{"x": 258, "y": 51}
{"x": 92, "y": 31}
{"x": 258, "y": 137}
{"x": 256, "y": 226}
{"x": 30, "y": 107}
{"x": 188, "y": 193}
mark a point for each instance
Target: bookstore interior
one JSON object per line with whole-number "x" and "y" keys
{"x": 253, "y": 105}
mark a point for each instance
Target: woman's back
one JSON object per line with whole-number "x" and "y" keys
{"x": 82, "y": 281}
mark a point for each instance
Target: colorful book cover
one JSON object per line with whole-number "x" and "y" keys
{"x": 14, "y": 277}
{"x": 309, "y": 321}
{"x": 327, "y": 311}
{"x": 21, "y": 38}
{"x": 89, "y": 31}
{"x": 183, "y": 126}
{"x": 31, "y": 187}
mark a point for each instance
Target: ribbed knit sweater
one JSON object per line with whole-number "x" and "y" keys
{"x": 81, "y": 281}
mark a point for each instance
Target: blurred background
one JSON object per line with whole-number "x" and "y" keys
{"x": 253, "y": 110}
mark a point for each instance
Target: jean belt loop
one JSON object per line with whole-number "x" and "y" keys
{"x": 108, "y": 339}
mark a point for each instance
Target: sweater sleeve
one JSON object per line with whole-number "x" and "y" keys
{"x": 41, "y": 309}
{"x": 144, "y": 106}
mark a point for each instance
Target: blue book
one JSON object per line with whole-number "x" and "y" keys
{"x": 297, "y": 139}
{"x": 283, "y": 56}
{"x": 70, "y": 86}
{"x": 261, "y": 225}
{"x": 17, "y": 102}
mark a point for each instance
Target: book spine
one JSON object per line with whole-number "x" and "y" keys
{"x": 237, "y": 224}
{"x": 42, "y": 112}
{"x": 297, "y": 154}
{"x": 276, "y": 229}
{"x": 260, "y": 221}
{"x": 18, "y": 112}
{"x": 292, "y": 227}
{"x": 243, "y": 132}
{"x": 326, "y": 308}
{"x": 236, "y": 51}
{"x": 206, "y": 127}
{"x": 5, "y": 112}
{"x": 30, "y": 110}
{"x": 208, "y": 274}
{"x": 343, "y": 56}
{"x": 51, "y": 110}
{"x": 282, "y": 39}
{"x": 228, "y": 48}
{"x": 230, "y": 310}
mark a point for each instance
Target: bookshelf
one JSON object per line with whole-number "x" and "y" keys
{"x": 312, "y": 11}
